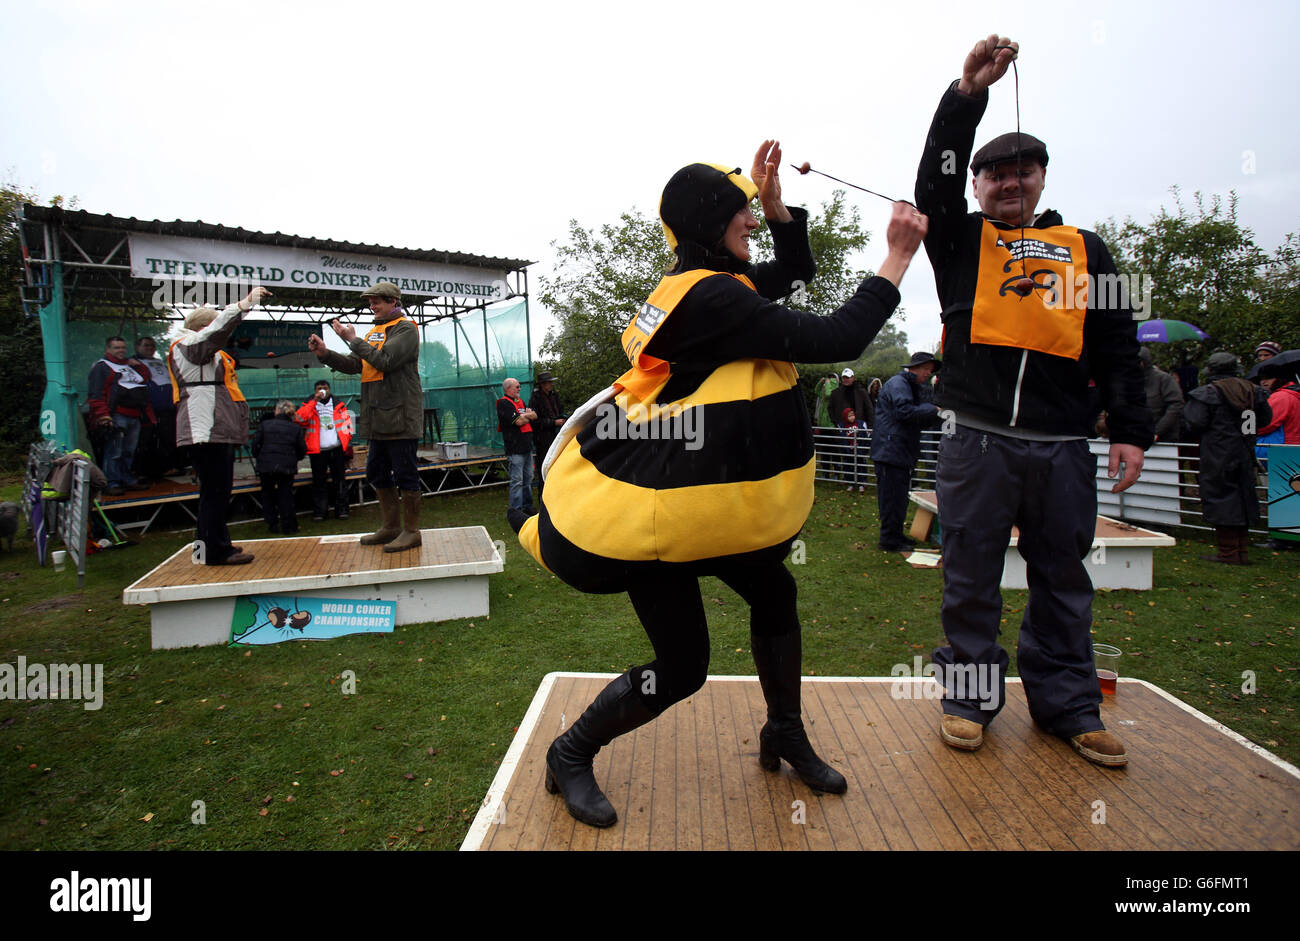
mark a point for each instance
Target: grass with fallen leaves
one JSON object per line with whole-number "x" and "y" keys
{"x": 267, "y": 751}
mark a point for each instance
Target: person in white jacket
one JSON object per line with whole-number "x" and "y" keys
{"x": 211, "y": 418}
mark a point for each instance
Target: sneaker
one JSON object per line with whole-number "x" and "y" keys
{"x": 1102, "y": 748}
{"x": 317, "y": 518}
{"x": 862, "y": 488}
{"x": 961, "y": 733}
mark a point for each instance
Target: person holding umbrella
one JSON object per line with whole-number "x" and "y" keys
{"x": 1283, "y": 369}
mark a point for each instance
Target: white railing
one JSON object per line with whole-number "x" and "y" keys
{"x": 1166, "y": 495}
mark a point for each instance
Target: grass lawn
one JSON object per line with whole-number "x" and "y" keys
{"x": 282, "y": 758}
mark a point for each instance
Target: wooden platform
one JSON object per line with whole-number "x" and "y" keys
{"x": 445, "y": 578}
{"x": 437, "y": 475}
{"x": 1120, "y": 556}
{"x": 691, "y": 781}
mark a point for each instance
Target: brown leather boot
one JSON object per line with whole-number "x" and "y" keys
{"x": 409, "y": 537}
{"x": 1226, "y": 537}
{"x": 388, "y": 508}
{"x": 1243, "y": 545}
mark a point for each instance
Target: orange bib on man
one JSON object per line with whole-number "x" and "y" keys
{"x": 1049, "y": 319}
{"x": 377, "y": 337}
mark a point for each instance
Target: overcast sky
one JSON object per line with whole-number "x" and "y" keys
{"x": 484, "y": 127}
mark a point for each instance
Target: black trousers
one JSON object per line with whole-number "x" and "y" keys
{"x": 892, "y": 481}
{"x": 671, "y": 610}
{"x": 392, "y": 463}
{"x": 277, "y": 501}
{"x": 1048, "y": 490}
{"x": 329, "y": 481}
{"x": 156, "y": 452}
{"x": 215, "y": 465}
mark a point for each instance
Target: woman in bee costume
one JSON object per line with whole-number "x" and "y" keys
{"x": 699, "y": 461}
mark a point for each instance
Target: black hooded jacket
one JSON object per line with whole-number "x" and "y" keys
{"x": 1009, "y": 385}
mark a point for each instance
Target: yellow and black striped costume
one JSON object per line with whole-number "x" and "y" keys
{"x": 683, "y": 465}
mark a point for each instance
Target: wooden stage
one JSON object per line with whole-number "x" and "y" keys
{"x": 691, "y": 781}
{"x": 445, "y": 578}
{"x": 1120, "y": 556}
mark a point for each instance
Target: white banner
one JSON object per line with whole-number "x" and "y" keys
{"x": 173, "y": 258}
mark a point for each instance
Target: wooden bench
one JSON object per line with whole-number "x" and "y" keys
{"x": 1120, "y": 556}
{"x": 445, "y": 578}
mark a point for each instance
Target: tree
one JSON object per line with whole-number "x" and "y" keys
{"x": 1206, "y": 269}
{"x": 602, "y": 277}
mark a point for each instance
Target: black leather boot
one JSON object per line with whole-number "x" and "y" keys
{"x": 779, "y": 661}
{"x": 618, "y": 709}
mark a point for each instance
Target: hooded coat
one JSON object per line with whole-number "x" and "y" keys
{"x": 1215, "y": 415}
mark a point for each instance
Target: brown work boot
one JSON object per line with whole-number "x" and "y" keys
{"x": 389, "y": 529}
{"x": 1103, "y": 748}
{"x": 961, "y": 733}
{"x": 409, "y": 537}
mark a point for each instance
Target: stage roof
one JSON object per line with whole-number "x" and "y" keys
{"x": 103, "y": 280}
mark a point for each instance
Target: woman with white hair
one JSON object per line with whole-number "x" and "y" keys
{"x": 211, "y": 418}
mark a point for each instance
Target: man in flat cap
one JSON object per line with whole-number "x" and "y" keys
{"x": 902, "y": 413}
{"x": 392, "y": 410}
{"x": 1018, "y": 360}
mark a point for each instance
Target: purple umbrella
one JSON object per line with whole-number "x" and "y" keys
{"x": 1169, "y": 331}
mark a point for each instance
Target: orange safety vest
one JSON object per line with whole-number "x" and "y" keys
{"x": 377, "y": 337}
{"x": 232, "y": 385}
{"x": 1050, "y": 318}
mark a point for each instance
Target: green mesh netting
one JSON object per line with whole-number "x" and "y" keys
{"x": 462, "y": 365}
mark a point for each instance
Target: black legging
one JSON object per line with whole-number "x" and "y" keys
{"x": 671, "y": 610}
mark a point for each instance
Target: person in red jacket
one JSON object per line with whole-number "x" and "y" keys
{"x": 329, "y": 437}
{"x": 1284, "y": 400}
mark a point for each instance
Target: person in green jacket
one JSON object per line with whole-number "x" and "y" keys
{"x": 392, "y": 410}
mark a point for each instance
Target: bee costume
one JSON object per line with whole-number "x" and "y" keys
{"x": 698, "y": 461}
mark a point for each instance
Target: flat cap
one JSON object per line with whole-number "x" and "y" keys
{"x": 1006, "y": 147}
{"x": 384, "y": 289}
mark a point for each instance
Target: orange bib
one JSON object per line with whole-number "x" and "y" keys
{"x": 1050, "y": 318}
{"x": 649, "y": 372}
{"x": 377, "y": 336}
{"x": 232, "y": 385}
